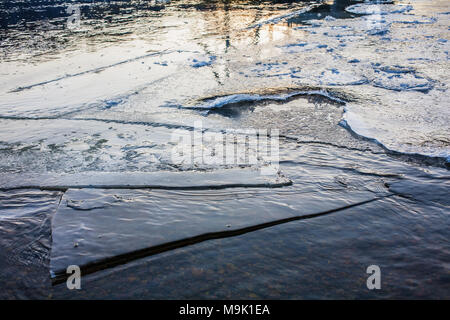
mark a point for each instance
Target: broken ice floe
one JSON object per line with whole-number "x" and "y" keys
{"x": 134, "y": 180}
{"x": 135, "y": 223}
{"x": 226, "y": 100}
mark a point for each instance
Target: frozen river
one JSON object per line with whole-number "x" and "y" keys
{"x": 97, "y": 98}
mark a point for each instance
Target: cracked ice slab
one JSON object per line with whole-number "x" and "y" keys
{"x": 156, "y": 180}
{"x": 97, "y": 228}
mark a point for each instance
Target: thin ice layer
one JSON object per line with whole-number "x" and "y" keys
{"x": 161, "y": 179}
{"x": 95, "y": 229}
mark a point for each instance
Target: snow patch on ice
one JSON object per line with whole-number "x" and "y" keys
{"x": 382, "y": 9}
{"x": 198, "y": 63}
